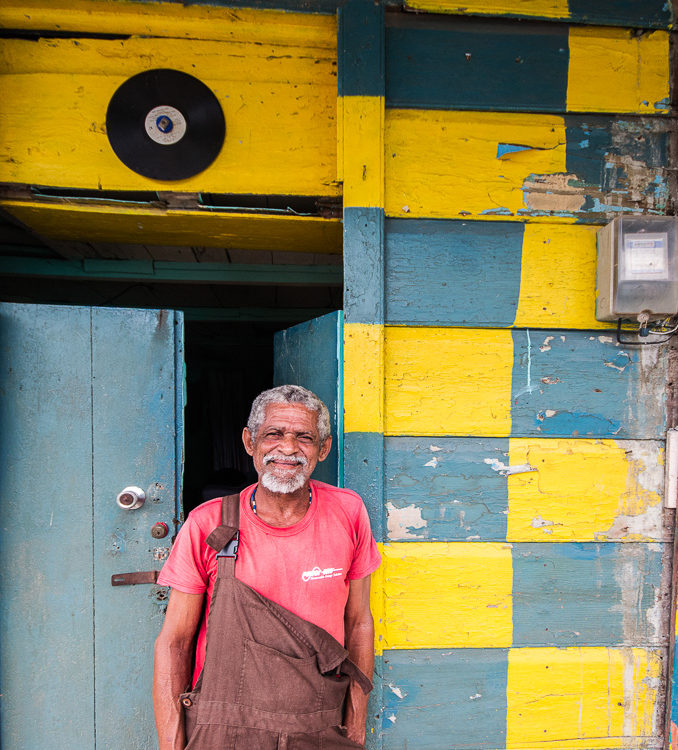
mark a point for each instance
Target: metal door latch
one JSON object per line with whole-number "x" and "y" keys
{"x": 130, "y": 579}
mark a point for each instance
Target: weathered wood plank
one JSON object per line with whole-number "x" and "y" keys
{"x": 522, "y": 698}
{"x": 585, "y": 384}
{"x": 279, "y": 101}
{"x": 46, "y": 491}
{"x": 107, "y": 223}
{"x": 510, "y": 165}
{"x": 135, "y": 436}
{"x": 167, "y": 19}
{"x": 523, "y": 490}
{"x": 439, "y": 595}
{"x": 590, "y": 594}
{"x": 490, "y": 594}
{"x": 584, "y": 698}
{"x": 445, "y": 489}
{"x": 497, "y": 383}
{"x": 634, "y": 13}
{"x": 533, "y": 274}
{"x": 586, "y": 490}
{"x": 498, "y": 65}
{"x": 452, "y": 698}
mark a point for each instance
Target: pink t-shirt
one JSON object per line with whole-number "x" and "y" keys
{"x": 305, "y": 568}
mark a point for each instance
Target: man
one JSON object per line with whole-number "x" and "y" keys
{"x": 293, "y": 587}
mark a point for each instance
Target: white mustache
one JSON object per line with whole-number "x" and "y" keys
{"x": 288, "y": 459}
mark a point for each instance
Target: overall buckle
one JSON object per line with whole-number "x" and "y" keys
{"x": 231, "y": 549}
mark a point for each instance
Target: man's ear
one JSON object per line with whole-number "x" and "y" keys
{"x": 247, "y": 441}
{"x": 325, "y": 449}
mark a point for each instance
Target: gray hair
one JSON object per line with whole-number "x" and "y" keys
{"x": 288, "y": 394}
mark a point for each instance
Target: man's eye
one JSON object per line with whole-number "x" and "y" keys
{"x": 305, "y": 439}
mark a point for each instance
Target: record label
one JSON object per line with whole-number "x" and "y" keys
{"x": 165, "y": 124}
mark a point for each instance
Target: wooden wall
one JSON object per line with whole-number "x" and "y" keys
{"x": 509, "y": 449}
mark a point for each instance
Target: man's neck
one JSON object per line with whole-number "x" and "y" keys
{"x": 281, "y": 509}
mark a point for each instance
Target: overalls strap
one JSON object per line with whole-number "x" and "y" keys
{"x": 224, "y": 539}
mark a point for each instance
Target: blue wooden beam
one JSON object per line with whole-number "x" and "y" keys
{"x": 158, "y": 271}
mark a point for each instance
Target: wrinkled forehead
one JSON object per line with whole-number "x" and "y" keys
{"x": 293, "y": 417}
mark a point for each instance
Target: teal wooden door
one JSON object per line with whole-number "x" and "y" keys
{"x": 310, "y": 354}
{"x": 90, "y": 402}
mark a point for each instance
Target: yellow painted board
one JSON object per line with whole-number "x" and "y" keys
{"x": 585, "y": 490}
{"x": 279, "y": 104}
{"x": 447, "y": 595}
{"x": 443, "y": 381}
{"x": 617, "y": 70}
{"x": 442, "y": 164}
{"x": 363, "y": 151}
{"x": 363, "y": 377}
{"x": 558, "y": 277}
{"x": 582, "y": 698}
{"x": 169, "y": 19}
{"x": 540, "y": 8}
{"x": 147, "y": 226}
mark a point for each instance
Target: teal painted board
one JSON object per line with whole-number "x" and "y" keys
{"x": 445, "y": 489}
{"x": 364, "y": 474}
{"x": 451, "y": 698}
{"x": 585, "y": 384}
{"x": 46, "y": 634}
{"x": 89, "y": 400}
{"x": 134, "y": 443}
{"x": 360, "y": 48}
{"x": 602, "y": 156}
{"x": 308, "y": 354}
{"x": 569, "y": 594}
{"x": 448, "y": 62}
{"x": 444, "y": 272}
{"x": 364, "y": 265}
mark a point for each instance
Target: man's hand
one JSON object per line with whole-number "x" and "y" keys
{"x": 172, "y": 669}
{"x": 359, "y": 627}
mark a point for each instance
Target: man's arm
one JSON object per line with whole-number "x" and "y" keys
{"x": 172, "y": 668}
{"x": 359, "y": 627}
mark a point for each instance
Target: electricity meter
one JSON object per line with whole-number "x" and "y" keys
{"x": 637, "y": 269}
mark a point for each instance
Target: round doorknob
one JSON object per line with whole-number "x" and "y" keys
{"x": 131, "y": 498}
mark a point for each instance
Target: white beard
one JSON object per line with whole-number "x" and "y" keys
{"x": 282, "y": 486}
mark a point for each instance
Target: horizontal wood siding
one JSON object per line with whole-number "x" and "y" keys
{"x": 632, "y": 13}
{"x": 498, "y": 65}
{"x": 509, "y": 448}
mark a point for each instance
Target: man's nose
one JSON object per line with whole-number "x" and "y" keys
{"x": 288, "y": 443}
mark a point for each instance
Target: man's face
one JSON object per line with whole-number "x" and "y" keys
{"x": 287, "y": 447}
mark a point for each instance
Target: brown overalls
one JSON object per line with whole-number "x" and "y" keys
{"x": 271, "y": 680}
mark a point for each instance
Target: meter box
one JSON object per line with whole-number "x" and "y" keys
{"x": 637, "y": 268}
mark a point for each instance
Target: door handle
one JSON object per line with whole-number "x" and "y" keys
{"x": 131, "y": 579}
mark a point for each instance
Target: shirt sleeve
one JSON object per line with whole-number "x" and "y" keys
{"x": 366, "y": 558}
{"x": 185, "y": 568}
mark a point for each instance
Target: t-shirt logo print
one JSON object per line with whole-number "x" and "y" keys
{"x": 317, "y": 573}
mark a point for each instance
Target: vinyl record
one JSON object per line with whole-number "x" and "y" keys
{"x": 165, "y": 124}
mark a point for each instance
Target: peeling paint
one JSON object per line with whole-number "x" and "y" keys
{"x": 432, "y": 463}
{"x": 546, "y": 346}
{"x": 475, "y": 697}
{"x": 505, "y": 471}
{"x": 559, "y": 193}
{"x": 161, "y": 553}
{"x": 402, "y": 520}
{"x": 397, "y": 691}
{"x": 392, "y": 718}
{"x": 434, "y": 448}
